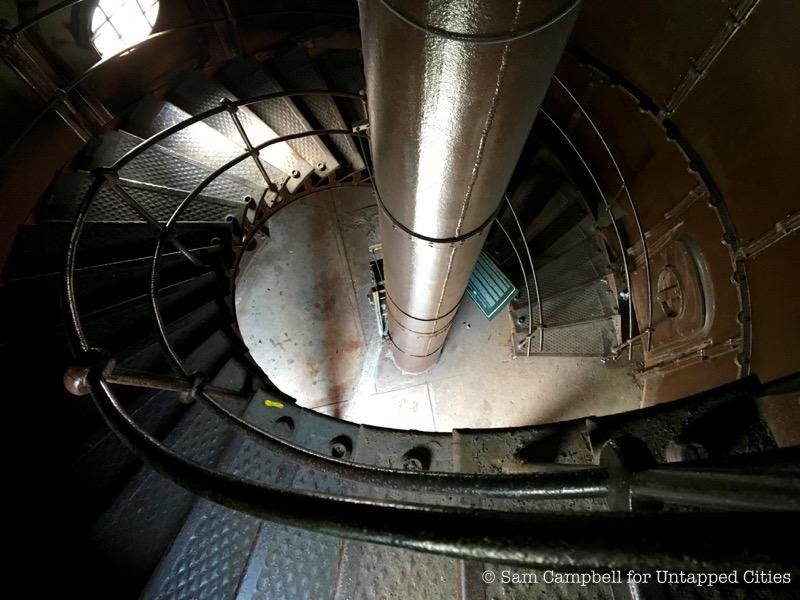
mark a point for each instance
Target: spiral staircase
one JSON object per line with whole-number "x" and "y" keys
{"x": 126, "y": 278}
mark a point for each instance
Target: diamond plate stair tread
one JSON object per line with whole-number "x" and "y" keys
{"x": 298, "y": 72}
{"x": 161, "y": 166}
{"x": 593, "y": 338}
{"x": 291, "y": 563}
{"x": 210, "y": 554}
{"x": 69, "y": 189}
{"x": 204, "y": 144}
{"x": 588, "y": 302}
{"x": 294, "y": 564}
{"x": 138, "y": 528}
{"x": 197, "y": 93}
{"x": 247, "y": 79}
{"x": 104, "y": 461}
{"x": 370, "y": 571}
{"x": 374, "y": 571}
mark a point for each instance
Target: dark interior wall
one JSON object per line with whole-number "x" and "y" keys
{"x": 736, "y": 105}
{"x": 51, "y": 145}
{"x": 60, "y": 45}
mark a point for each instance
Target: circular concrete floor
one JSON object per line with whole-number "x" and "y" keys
{"x": 303, "y": 307}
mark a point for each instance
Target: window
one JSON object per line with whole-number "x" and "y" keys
{"x": 119, "y": 24}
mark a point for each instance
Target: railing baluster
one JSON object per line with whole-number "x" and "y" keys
{"x": 232, "y": 111}
{"x": 527, "y": 289}
{"x": 634, "y": 213}
{"x": 535, "y": 281}
{"x": 608, "y": 210}
{"x": 151, "y": 220}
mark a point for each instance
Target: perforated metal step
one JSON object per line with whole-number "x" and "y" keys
{"x": 246, "y": 78}
{"x": 592, "y": 338}
{"x": 590, "y": 301}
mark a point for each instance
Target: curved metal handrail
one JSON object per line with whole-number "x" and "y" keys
{"x": 634, "y": 214}
{"x": 567, "y": 484}
{"x": 436, "y": 482}
{"x": 645, "y": 541}
{"x": 572, "y": 541}
{"x": 524, "y": 279}
{"x": 536, "y": 539}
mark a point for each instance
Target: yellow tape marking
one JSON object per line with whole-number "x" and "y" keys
{"x": 273, "y": 404}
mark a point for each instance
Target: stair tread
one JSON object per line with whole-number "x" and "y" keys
{"x": 196, "y": 93}
{"x": 161, "y": 166}
{"x": 588, "y": 302}
{"x": 297, "y": 71}
{"x": 68, "y": 189}
{"x": 95, "y": 287}
{"x": 98, "y": 464}
{"x": 575, "y": 235}
{"x": 590, "y": 338}
{"x": 246, "y": 78}
{"x": 135, "y": 531}
{"x": 198, "y": 142}
{"x": 40, "y": 249}
{"x": 213, "y": 547}
{"x": 581, "y": 264}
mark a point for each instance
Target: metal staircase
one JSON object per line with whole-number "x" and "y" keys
{"x": 294, "y": 504}
{"x": 568, "y": 304}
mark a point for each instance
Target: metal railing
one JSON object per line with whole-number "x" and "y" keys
{"x": 607, "y": 207}
{"x": 536, "y": 539}
{"x": 624, "y": 189}
{"x": 534, "y": 278}
{"x": 430, "y": 527}
{"x": 62, "y": 94}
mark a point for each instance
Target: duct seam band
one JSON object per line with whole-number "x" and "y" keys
{"x": 405, "y": 314}
{"x": 480, "y": 40}
{"x": 451, "y": 240}
{"x": 436, "y": 351}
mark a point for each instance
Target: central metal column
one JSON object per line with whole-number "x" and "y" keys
{"x": 453, "y": 89}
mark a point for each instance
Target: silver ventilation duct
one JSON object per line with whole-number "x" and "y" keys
{"x": 453, "y": 89}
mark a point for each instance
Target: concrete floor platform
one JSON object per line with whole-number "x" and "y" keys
{"x": 303, "y": 308}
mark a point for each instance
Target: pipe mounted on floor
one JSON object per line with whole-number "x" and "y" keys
{"x": 453, "y": 89}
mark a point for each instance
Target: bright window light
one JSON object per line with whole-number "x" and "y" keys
{"x": 119, "y": 24}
